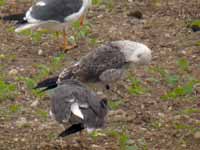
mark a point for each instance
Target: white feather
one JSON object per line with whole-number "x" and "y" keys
{"x": 24, "y": 27}
{"x": 29, "y": 18}
{"x": 50, "y": 25}
{"x": 84, "y": 106}
{"x": 71, "y": 100}
{"x": 51, "y": 114}
{"x": 76, "y": 110}
{"x": 40, "y": 3}
{"x": 81, "y": 12}
{"x": 89, "y": 130}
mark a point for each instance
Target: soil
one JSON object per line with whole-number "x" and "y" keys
{"x": 149, "y": 121}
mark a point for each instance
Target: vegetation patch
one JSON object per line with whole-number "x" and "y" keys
{"x": 7, "y": 91}
{"x": 180, "y": 91}
{"x": 2, "y": 2}
{"x": 42, "y": 114}
{"x": 136, "y": 87}
{"x": 114, "y": 105}
{"x": 36, "y": 36}
{"x": 42, "y": 73}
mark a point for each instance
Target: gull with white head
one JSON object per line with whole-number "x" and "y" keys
{"x": 105, "y": 63}
{"x": 54, "y": 15}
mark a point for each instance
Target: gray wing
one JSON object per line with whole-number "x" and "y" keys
{"x": 111, "y": 75}
{"x": 89, "y": 103}
{"x": 61, "y": 103}
{"x": 95, "y": 113}
{"x": 92, "y": 120}
{"x": 65, "y": 95}
{"x": 90, "y": 110}
{"x": 55, "y": 10}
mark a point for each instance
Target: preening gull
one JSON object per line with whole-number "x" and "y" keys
{"x": 54, "y": 15}
{"x": 105, "y": 63}
{"x": 72, "y": 102}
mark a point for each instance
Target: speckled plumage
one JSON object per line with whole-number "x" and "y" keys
{"x": 105, "y": 63}
{"x": 95, "y": 63}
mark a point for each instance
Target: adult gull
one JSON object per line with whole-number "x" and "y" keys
{"x": 55, "y": 15}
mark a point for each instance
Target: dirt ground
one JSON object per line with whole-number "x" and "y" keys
{"x": 148, "y": 118}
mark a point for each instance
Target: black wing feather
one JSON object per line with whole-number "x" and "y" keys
{"x": 15, "y": 17}
{"x": 72, "y": 129}
{"x": 49, "y": 83}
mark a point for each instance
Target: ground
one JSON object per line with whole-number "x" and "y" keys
{"x": 156, "y": 107}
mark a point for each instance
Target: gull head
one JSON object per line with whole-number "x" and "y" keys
{"x": 134, "y": 52}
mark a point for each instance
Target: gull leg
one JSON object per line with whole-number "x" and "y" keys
{"x": 81, "y": 20}
{"x": 66, "y": 45}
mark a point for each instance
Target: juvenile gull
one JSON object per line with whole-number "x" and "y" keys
{"x": 54, "y": 15}
{"x": 73, "y": 103}
{"x": 105, "y": 63}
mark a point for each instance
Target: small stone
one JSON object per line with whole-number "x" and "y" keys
{"x": 170, "y": 108}
{"x": 36, "y": 120}
{"x": 130, "y": 142}
{"x": 35, "y": 103}
{"x": 183, "y": 52}
{"x": 40, "y": 52}
{"x": 16, "y": 139}
{"x": 197, "y": 135}
{"x": 43, "y": 127}
{"x": 23, "y": 139}
{"x": 177, "y": 117}
{"x": 95, "y": 146}
{"x": 143, "y": 129}
{"x": 13, "y": 72}
{"x": 184, "y": 145}
{"x": 100, "y": 16}
{"x": 167, "y": 35}
{"x": 161, "y": 115}
{"x": 21, "y": 122}
{"x": 99, "y": 93}
{"x": 21, "y": 69}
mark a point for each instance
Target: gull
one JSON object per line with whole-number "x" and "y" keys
{"x": 73, "y": 103}
{"x": 106, "y": 63}
{"x": 55, "y": 15}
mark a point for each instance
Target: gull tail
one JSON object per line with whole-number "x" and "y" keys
{"x": 16, "y": 17}
{"x": 71, "y": 130}
{"x": 47, "y": 84}
{"x": 20, "y": 22}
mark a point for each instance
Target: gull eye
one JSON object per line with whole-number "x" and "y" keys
{"x": 139, "y": 55}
